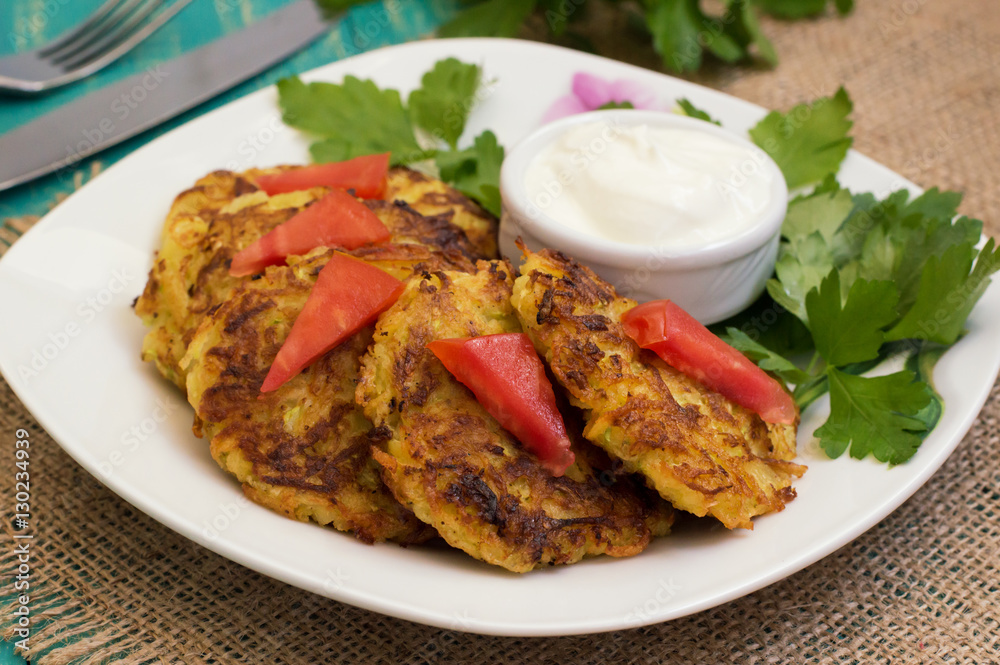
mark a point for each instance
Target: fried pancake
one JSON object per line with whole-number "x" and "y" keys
{"x": 433, "y": 198}
{"x": 223, "y": 213}
{"x": 304, "y": 449}
{"x": 434, "y": 231}
{"x": 205, "y": 227}
{"x": 700, "y": 451}
{"x": 456, "y": 468}
{"x": 430, "y": 197}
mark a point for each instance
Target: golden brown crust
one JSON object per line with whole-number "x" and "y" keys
{"x": 700, "y": 451}
{"x": 304, "y": 449}
{"x": 225, "y": 212}
{"x": 450, "y": 462}
{"x": 436, "y": 232}
{"x": 205, "y": 227}
{"x": 432, "y": 197}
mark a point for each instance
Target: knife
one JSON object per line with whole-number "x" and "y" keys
{"x": 125, "y": 108}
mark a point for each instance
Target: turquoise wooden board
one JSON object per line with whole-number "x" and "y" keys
{"x": 25, "y": 24}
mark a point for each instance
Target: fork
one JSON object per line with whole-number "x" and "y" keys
{"x": 109, "y": 33}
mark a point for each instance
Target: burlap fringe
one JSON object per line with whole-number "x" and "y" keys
{"x": 54, "y": 621}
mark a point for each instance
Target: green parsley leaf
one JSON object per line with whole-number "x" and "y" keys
{"x": 802, "y": 264}
{"x": 850, "y": 238}
{"x": 441, "y": 105}
{"x": 493, "y": 18}
{"x": 676, "y": 26}
{"x": 682, "y": 33}
{"x": 792, "y": 8}
{"x": 933, "y": 239}
{"x": 453, "y": 163}
{"x": 802, "y": 8}
{"x": 850, "y": 332}
{"x": 922, "y": 365}
{"x": 615, "y": 105}
{"x": 741, "y": 22}
{"x": 875, "y": 415}
{"x": 947, "y": 293}
{"x": 332, "y": 150}
{"x": 770, "y": 325}
{"x": 725, "y": 44}
{"x": 894, "y": 239}
{"x": 357, "y": 118}
{"x": 475, "y": 171}
{"x": 823, "y": 211}
{"x": 767, "y": 360}
{"x": 693, "y": 111}
{"x": 810, "y": 141}
{"x": 558, "y": 14}
{"x": 354, "y": 118}
{"x": 935, "y": 204}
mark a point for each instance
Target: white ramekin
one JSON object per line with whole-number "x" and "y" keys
{"x": 712, "y": 281}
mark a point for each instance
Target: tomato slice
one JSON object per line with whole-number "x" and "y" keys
{"x": 349, "y": 294}
{"x": 508, "y": 379}
{"x": 691, "y": 348}
{"x": 365, "y": 175}
{"x": 336, "y": 220}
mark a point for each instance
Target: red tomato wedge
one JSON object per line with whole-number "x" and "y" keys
{"x": 365, "y": 175}
{"x": 508, "y": 379}
{"x": 336, "y": 220}
{"x": 349, "y": 294}
{"x": 691, "y": 348}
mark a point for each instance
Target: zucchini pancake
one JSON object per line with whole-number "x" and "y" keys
{"x": 225, "y": 212}
{"x": 452, "y": 463}
{"x": 304, "y": 449}
{"x": 703, "y": 453}
{"x": 377, "y": 438}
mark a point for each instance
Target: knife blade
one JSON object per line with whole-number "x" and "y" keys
{"x": 125, "y": 108}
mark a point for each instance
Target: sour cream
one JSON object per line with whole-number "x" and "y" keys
{"x": 677, "y": 188}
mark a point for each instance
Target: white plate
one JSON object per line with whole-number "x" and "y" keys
{"x": 65, "y": 291}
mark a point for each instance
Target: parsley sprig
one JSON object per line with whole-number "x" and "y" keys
{"x": 685, "y": 33}
{"x": 356, "y": 117}
{"x": 858, "y": 281}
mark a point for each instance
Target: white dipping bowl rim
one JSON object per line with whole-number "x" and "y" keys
{"x": 594, "y": 250}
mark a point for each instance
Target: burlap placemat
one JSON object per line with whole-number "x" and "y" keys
{"x": 112, "y": 584}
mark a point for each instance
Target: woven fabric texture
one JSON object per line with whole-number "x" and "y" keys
{"x": 111, "y": 584}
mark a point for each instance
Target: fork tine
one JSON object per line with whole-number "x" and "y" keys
{"x": 111, "y": 31}
{"x": 71, "y": 35}
{"x": 118, "y": 15}
{"x": 121, "y": 32}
